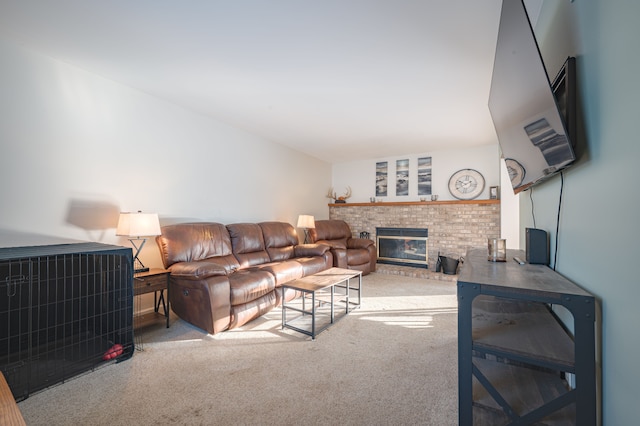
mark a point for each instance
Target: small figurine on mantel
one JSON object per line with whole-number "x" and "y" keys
{"x": 341, "y": 199}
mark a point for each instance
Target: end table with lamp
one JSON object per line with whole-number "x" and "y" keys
{"x": 155, "y": 281}
{"x": 137, "y": 227}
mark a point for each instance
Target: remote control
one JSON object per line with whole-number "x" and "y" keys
{"x": 517, "y": 259}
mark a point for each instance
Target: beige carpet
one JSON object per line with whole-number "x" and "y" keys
{"x": 391, "y": 362}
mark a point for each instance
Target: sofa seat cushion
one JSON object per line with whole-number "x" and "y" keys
{"x": 358, "y": 256}
{"x": 250, "y": 284}
{"x": 285, "y": 271}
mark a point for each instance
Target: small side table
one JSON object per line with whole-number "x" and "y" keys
{"x": 155, "y": 280}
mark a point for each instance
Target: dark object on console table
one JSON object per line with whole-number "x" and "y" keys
{"x": 514, "y": 357}
{"x": 63, "y": 309}
{"x": 348, "y": 252}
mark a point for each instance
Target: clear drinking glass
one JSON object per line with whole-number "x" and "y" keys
{"x": 497, "y": 250}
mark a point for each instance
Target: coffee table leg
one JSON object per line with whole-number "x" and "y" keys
{"x": 284, "y": 308}
{"x": 333, "y": 290}
{"x": 347, "y": 296}
{"x": 304, "y": 298}
{"x": 313, "y": 315}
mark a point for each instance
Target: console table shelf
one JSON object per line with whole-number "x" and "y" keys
{"x": 523, "y": 329}
{"x": 514, "y": 357}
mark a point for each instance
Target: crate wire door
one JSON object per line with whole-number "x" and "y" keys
{"x": 60, "y": 313}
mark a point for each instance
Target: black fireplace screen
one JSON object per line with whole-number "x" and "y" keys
{"x": 403, "y": 246}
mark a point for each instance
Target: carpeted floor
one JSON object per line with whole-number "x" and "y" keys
{"x": 391, "y": 362}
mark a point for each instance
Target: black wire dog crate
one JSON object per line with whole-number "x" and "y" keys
{"x": 64, "y": 310}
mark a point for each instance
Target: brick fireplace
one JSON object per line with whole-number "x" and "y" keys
{"x": 454, "y": 226}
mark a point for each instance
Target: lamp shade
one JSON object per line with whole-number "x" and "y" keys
{"x": 138, "y": 225}
{"x": 306, "y": 221}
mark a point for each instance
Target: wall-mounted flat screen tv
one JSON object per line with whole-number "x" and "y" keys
{"x": 529, "y": 123}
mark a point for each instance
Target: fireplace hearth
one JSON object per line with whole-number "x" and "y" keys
{"x": 403, "y": 246}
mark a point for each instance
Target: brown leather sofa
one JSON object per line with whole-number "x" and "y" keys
{"x": 225, "y": 276}
{"x": 348, "y": 252}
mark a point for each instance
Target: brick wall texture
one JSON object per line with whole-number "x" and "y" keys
{"x": 453, "y": 228}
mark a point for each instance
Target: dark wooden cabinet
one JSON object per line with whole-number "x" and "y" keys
{"x": 517, "y": 363}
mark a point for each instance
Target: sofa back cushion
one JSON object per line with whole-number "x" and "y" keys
{"x": 336, "y": 231}
{"x": 247, "y": 244}
{"x": 190, "y": 242}
{"x": 280, "y": 238}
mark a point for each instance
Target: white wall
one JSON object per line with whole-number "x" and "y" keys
{"x": 361, "y": 175}
{"x": 509, "y": 210}
{"x": 599, "y": 228}
{"x": 76, "y": 149}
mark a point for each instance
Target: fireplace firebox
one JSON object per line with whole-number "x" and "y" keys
{"x": 403, "y": 246}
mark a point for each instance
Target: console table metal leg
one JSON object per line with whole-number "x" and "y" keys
{"x": 466, "y": 294}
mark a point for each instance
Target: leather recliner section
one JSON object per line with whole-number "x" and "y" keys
{"x": 221, "y": 276}
{"x": 348, "y": 252}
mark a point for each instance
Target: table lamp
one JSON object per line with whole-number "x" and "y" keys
{"x": 306, "y": 222}
{"x": 137, "y": 226}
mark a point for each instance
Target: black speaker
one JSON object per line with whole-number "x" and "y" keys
{"x": 537, "y": 249}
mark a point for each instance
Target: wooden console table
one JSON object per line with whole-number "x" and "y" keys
{"x": 515, "y": 359}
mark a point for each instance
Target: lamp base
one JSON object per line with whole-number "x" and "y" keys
{"x": 138, "y": 267}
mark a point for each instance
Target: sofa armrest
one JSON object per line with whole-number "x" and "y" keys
{"x": 359, "y": 243}
{"x": 307, "y": 250}
{"x": 333, "y": 244}
{"x": 197, "y": 270}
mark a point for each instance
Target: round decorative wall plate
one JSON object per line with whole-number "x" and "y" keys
{"x": 466, "y": 184}
{"x": 516, "y": 172}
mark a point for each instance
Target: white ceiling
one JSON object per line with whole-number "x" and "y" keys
{"x": 338, "y": 79}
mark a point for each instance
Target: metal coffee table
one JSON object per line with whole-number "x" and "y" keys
{"x": 320, "y": 291}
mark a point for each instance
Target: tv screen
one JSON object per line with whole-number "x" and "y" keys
{"x": 529, "y": 124}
